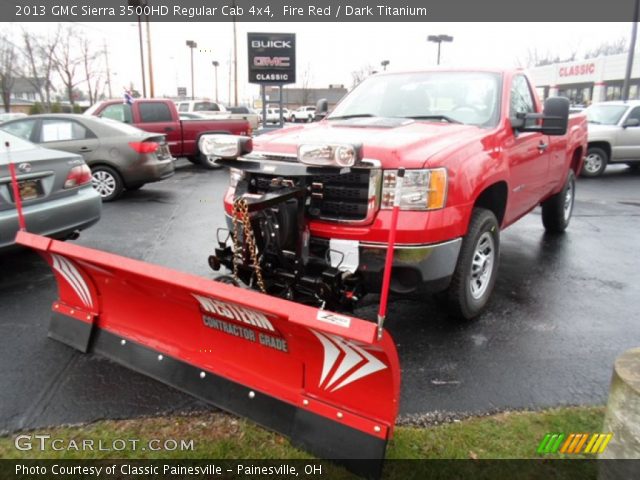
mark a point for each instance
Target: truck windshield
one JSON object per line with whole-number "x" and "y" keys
{"x": 472, "y": 98}
{"x": 605, "y": 114}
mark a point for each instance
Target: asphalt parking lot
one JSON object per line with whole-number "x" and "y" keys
{"x": 563, "y": 309}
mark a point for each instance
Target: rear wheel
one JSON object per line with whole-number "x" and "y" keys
{"x": 595, "y": 162}
{"x": 107, "y": 182}
{"x": 557, "y": 210}
{"x": 476, "y": 271}
{"x": 195, "y": 160}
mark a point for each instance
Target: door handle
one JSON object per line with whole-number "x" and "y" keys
{"x": 84, "y": 149}
{"x": 542, "y": 146}
{"x": 168, "y": 129}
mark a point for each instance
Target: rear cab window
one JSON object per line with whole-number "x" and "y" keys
{"x": 154, "y": 112}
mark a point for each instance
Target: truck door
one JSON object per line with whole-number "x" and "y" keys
{"x": 628, "y": 138}
{"x": 156, "y": 117}
{"x": 528, "y": 154}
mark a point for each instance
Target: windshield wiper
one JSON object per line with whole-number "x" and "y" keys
{"x": 353, "y": 115}
{"x": 433, "y": 117}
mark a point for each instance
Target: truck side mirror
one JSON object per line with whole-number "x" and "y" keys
{"x": 555, "y": 118}
{"x": 322, "y": 108}
{"x": 631, "y": 122}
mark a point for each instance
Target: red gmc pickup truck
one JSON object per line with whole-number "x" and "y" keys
{"x": 479, "y": 151}
{"x": 161, "y": 116}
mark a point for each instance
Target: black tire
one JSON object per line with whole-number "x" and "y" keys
{"x": 136, "y": 186}
{"x": 595, "y": 162}
{"x": 195, "y": 160}
{"x": 483, "y": 238}
{"x": 557, "y": 210}
{"x": 107, "y": 181}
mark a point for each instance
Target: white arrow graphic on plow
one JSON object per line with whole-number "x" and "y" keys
{"x": 352, "y": 355}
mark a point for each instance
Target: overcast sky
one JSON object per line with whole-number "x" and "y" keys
{"x": 329, "y": 51}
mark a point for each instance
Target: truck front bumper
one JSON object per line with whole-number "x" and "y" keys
{"x": 416, "y": 268}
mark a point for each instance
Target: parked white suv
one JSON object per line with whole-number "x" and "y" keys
{"x": 614, "y": 136}
{"x": 303, "y": 114}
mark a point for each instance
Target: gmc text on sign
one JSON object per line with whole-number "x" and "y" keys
{"x": 272, "y": 57}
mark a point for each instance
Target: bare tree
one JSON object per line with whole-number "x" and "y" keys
{"x": 614, "y": 47}
{"x": 359, "y": 75}
{"x": 92, "y": 70}
{"x": 8, "y": 58}
{"x": 535, "y": 58}
{"x": 40, "y": 63}
{"x": 307, "y": 76}
{"x": 67, "y": 62}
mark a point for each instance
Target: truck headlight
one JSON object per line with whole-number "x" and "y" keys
{"x": 328, "y": 155}
{"x": 424, "y": 189}
{"x": 224, "y": 146}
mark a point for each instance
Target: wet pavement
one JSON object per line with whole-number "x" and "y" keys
{"x": 563, "y": 308}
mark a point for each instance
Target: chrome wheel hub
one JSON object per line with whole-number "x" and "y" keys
{"x": 568, "y": 202}
{"x": 104, "y": 183}
{"x": 593, "y": 163}
{"x": 482, "y": 265}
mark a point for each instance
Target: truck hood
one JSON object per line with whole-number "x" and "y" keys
{"x": 393, "y": 141}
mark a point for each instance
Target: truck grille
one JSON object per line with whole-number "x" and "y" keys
{"x": 340, "y": 197}
{"x": 349, "y": 198}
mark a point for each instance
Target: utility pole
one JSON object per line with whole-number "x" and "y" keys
{"x": 632, "y": 48}
{"x": 136, "y": 3}
{"x": 235, "y": 59}
{"x": 151, "y": 90}
{"x": 106, "y": 58}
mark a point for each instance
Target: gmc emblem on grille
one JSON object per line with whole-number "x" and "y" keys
{"x": 24, "y": 167}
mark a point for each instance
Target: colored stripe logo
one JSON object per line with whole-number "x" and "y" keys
{"x": 574, "y": 443}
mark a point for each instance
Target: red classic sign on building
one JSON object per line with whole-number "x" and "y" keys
{"x": 578, "y": 70}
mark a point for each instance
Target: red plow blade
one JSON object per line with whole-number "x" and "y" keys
{"x": 323, "y": 379}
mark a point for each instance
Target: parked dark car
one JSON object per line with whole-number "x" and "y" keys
{"x": 55, "y": 188}
{"x": 120, "y": 156}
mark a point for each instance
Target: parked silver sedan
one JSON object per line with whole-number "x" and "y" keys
{"x": 55, "y": 188}
{"x": 120, "y": 155}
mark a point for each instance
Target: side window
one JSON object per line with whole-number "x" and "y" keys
{"x": 635, "y": 114}
{"x": 62, "y": 130}
{"x": 183, "y": 107}
{"x": 118, "y": 111}
{"x": 521, "y": 98}
{"x": 22, "y": 129}
{"x": 152, "y": 112}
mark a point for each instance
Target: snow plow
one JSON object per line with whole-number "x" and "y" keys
{"x": 328, "y": 381}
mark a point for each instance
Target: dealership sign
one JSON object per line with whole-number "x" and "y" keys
{"x": 577, "y": 70}
{"x": 272, "y": 57}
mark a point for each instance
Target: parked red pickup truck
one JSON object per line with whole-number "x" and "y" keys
{"x": 479, "y": 151}
{"x": 161, "y": 116}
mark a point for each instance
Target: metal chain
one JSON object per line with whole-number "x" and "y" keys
{"x": 241, "y": 208}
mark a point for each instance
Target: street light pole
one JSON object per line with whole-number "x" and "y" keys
{"x": 151, "y": 89}
{"x": 191, "y": 44}
{"x": 632, "y": 47}
{"x": 134, "y": 4}
{"x": 215, "y": 64}
{"x": 384, "y": 64}
{"x": 439, "y": 39}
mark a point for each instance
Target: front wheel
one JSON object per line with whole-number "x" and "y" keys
{"x": 557, "y": 210}
{"x": 477, "y": 267}
{"x": 107, "y": 182}
{"x": 209, "y": 162}
{"x": 595, "y": 162}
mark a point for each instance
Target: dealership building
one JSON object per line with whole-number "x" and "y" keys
{"x": 586, "y": 81}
